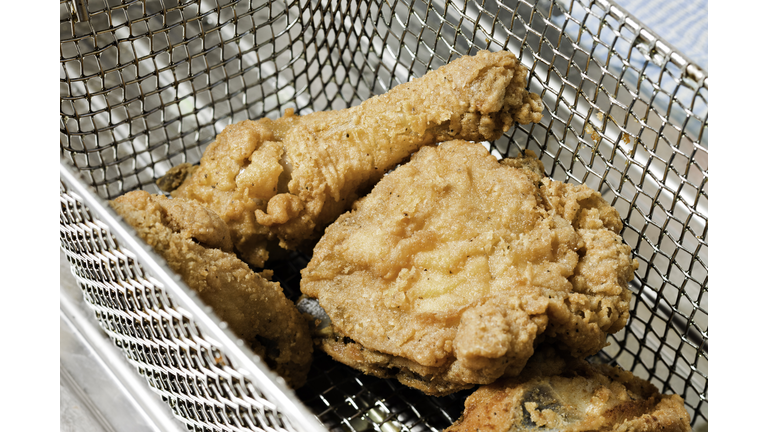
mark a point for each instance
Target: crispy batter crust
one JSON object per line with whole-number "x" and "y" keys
{"x": 196, "y": 244}
{"x": 234, "y": 172}
{"x": 569, "y": 396}
{"x": 287, "y": 179}
{"x": 456, "y": 266}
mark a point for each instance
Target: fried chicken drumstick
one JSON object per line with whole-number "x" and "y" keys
{"x": 456, "y": 266}
{"x": 286, "y": 179}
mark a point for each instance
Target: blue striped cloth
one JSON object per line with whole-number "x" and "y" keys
{"x": 683, "y": 24}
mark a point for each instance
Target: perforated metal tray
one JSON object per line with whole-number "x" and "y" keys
{"x": 145, "y": 85}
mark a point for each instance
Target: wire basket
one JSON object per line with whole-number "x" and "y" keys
{"x": 145, "y": 85}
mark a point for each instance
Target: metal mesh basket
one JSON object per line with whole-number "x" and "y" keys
{"x": 145, "y": 85}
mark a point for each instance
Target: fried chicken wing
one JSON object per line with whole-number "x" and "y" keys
{"x": 196, "y": 244}
{"x": 452, "y": 270}
{"x": 568, "y": 395}
{"x": 287, "y": 179}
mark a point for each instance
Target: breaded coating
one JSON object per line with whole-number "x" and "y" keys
{"x": 196, "y": 244}
{"x": 287, "y": 179}
{"x": 175, "y": 176}
{"x": 455, "y": 266}
{"x": 237, "y": 175}
{"x": 569, "y": 395}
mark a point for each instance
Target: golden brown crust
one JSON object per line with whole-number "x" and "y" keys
{"x": 429, "y": 380}
{"x": 175, "y": 176}
{"x": 219, "y": 186}
{"x": 568, "y": 395}
{"x": 336, "y": 153}
{"x": 528, "y": 162}
{"x": 196, "y": 245}
{"x": 462, "y": 265}
{"x": 287, "y": 179}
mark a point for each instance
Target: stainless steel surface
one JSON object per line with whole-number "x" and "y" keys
{"x": 187, "y": 355}
{"x": 147, "y": 84}
{"x": 99, "y": 391}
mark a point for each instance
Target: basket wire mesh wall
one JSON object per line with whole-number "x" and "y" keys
{"x": 145, "y": 85}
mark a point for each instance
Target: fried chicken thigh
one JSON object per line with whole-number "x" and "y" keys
{"x": 286, "y": 179}
{"x": 196, "y": 244}
{"x": 567, "y": 395}
{"x": 452, "y": 270}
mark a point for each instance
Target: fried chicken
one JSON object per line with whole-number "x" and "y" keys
{"x": 568, "y": 395}
{"x": 196, "y": 244}
{"x": 287, "y": 179}
{"x": 452, "y": 270}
